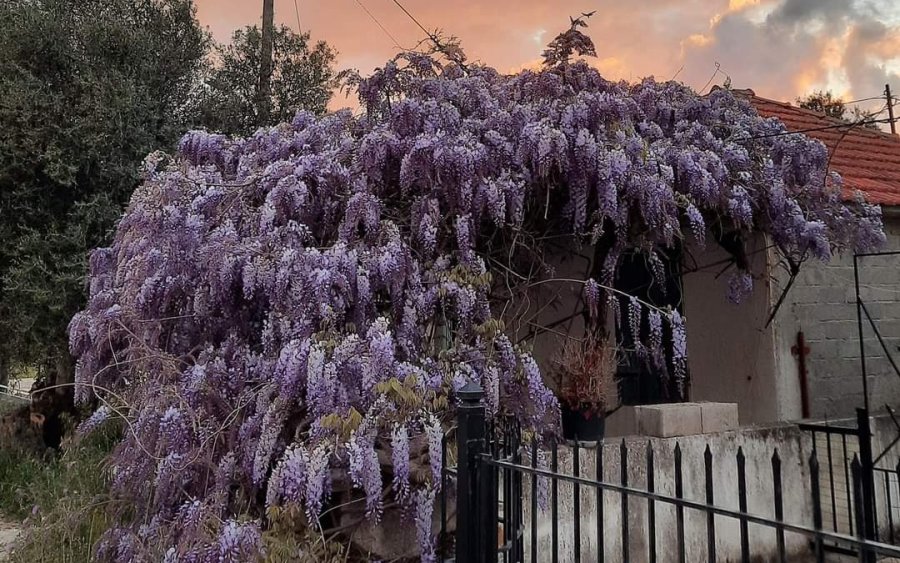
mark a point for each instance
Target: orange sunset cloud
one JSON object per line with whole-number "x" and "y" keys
{"x": 780, "y": 48}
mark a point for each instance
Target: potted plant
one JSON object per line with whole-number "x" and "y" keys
{"x": 586, "y": 372}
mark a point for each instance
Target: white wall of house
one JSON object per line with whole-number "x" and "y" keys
{"x": 733, "y": 357}
{"x": 821, "y": 304}
{"x": 731, "y": 353}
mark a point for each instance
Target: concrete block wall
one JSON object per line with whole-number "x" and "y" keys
{"x": 758, "y": 445}
{"x": 672, "y": 419}
{"x": 821, "y": 304}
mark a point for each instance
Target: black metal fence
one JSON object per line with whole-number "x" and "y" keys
{"x": 843, "y": 450}
{"x": 509, "y": 504}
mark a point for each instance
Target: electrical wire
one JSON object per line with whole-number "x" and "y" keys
{"x": 378, "y": 23}
{"x": 713, "y": 77}
{"x": 850, "y": 124}
{"x": 299, "y": 23}
{"x": 413, "y": 18}
{"x": 873, "y": 98}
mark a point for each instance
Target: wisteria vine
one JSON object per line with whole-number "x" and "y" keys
{"x": 287, "y": 317}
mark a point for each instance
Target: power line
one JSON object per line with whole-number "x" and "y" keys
{"x": 715, "y": 73}
{"x": 299, "y": 24}
{"x": 873, "y": 98}
{"x": 422, "y": 27}
{"x": 378, "y": 23}
{"x": 861, "y": 122}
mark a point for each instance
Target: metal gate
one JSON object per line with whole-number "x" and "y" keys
{"x": 498, "y": 479}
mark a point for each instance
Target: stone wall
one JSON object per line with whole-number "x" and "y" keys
{"x": 821, "y": 304}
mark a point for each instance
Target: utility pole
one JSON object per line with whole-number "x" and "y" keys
{"x": 890, "y": 106}
{"x": 264, "y": 87}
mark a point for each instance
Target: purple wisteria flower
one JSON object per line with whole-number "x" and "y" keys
{"x": 278, "y": 309}
{"x": 91, "y": 423}
{"x": 434, "y": 432}
{"x": 400, "y": 460}
{"x": 740, "y": 286}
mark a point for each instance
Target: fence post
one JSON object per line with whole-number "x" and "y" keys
{"x": 867, "y": 475}
{"x": 470, "y": 436}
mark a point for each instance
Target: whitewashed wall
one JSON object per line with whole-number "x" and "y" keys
{"x": 794, "y": 448}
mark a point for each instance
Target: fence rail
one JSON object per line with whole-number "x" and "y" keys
{"x": 510, "y": 504}
{"x": 15, "y": 392}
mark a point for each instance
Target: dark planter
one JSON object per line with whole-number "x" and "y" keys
{"x": 582, "y": 426}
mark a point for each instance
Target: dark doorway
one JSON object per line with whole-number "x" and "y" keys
{"x": 640, "y": 382}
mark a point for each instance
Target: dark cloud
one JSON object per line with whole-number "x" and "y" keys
{"x": 805, "y": 44}
{"x": 799, "y": 12}
{"x": 865, "y": 71}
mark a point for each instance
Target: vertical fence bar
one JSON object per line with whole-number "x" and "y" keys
{"x": 856, "y": 468}
{"x": 742, "y": 504}
{"x": 859, "y": 327}
{"x": 867, "y": 475}
{"x": 488, "y": 501}
{"x": 519, "y": 497}
{"x": 897, "y": 488}
{"x": 651, "y": 504}
{"x": 887, "y": 498}
{"x": 849, "y": 491}
{"x": 576, "y": 490}
{"x": 601, "y": 548}
{"x": 679, "y": 510}
{"x": 834, "y": 524}
{"x": 507, "y": 496}
{"x": 817, "y": 506}
{"x": 470, "y": 435}
{"x": 623, "y": 463}
{"x": 554, "y": 501}
{"x": 710, "y": 499}
{"x": 779, "y": 505}
{"x": 534, "y": 502}
{"x": 442, "y": 536}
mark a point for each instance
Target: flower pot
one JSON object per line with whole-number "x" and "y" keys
{"x": 582, "y": 426}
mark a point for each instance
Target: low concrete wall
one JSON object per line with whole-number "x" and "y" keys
{"x": 758, "y": 443}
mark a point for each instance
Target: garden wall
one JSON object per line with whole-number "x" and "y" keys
{"x": 758, "y": 443}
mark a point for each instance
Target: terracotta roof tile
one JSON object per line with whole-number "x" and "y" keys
{"x": 868, "y": 160}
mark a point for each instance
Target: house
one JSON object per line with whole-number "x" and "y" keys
{"x": 806, "y": 362}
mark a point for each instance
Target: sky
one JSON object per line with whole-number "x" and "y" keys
{"x": 781, "y": 49}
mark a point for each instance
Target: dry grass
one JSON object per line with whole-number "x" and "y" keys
{"x": 586, "y": 372}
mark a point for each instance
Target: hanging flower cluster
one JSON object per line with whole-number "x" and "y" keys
{"x": 288, "y": 316}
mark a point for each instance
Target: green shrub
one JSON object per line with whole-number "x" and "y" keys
{"x": 62, "y": 497}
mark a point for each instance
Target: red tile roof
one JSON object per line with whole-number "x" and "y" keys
{"x": 867, "y": 159}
